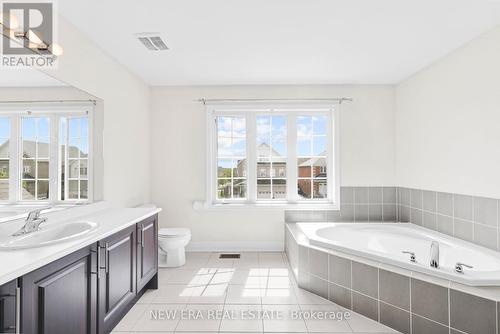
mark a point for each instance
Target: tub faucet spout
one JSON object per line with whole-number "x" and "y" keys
{"x": 435, "y": 254}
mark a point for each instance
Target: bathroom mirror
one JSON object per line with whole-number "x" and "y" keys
{"x": 50, "y": 142}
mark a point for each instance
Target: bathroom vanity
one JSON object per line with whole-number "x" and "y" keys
{"x": 90, "y": 289}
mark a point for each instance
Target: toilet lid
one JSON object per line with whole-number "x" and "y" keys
{"x": 174, "y": 232}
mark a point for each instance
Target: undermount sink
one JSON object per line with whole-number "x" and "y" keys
{"x": 48, "y": 235}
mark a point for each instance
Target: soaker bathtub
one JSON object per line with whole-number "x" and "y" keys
{"x": 385, "y": 242}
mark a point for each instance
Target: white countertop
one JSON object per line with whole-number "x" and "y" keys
{"x": 16, "y": 263}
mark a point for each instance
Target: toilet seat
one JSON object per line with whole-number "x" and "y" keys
{"x": 173, "y": 232}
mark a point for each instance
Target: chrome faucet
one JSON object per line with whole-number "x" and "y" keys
{"x": 435, "y": 254}
{"x": 32, "y": 223}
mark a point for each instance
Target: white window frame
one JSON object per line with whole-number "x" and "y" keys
{"x": 291, "y": 110}
{"x": 54, "y": 111}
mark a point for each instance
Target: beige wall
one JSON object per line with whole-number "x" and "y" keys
{"x": 448, "y": 122}
{"x": 126, "y": 100}
{"x": 178, "y": 163}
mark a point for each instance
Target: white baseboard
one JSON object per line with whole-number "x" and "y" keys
{"x": 235, "y": 246}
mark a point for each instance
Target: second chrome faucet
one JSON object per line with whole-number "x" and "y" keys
{"x": 434, "y": 254}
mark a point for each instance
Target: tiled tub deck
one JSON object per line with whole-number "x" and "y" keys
{"x": 406, "y": 301}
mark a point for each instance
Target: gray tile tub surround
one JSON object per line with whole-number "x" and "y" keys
{"x": 357, "y": 204}
{"x": 406, "y": 304}
{"x": 470, "y": 218}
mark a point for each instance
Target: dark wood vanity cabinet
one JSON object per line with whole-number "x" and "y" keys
{"x": 61, "y": 296}
{"x": 117, "y": 277}
{"x": 8, "y": 307}
{"x": 147, "y": 251}
{"x": 88, "y": 291}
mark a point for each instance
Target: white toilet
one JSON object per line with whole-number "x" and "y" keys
{"x": 171, "y": 246}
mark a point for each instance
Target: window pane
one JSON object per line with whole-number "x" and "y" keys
{"x": 29, "y": 149}
{"x": 279, "y": 188}
{"x": 304, "y": 146}
{"x": 304, "y": 167}
{"x": 239, "y": 127}
{"x": 4, "y": 169}
{"x": 43, "y": 148}
{"x": 28, "y": 190}
{"x": 304, "y": 188}
{"x": 84, "y": 148}
{"x": 83, "y": 189}
{"x": 74, "y": 131}
{"x": 263, "y": 130}
{"x": 29, "y": 128}
{"x": 320, "y": 189}
{"x": 73, "y": 189}
{"x": 224, "y": 188}
{"x": 224, "y": 168}
{"x": 73, "y": 148}
{"x": 319, "y": 167}
{"x": 84, "y": 127}
{"x": 304, "y": 126}
{"x": 319, "y": 145}
{"x": 279, "y": 148}
{"x": 73, "y": 168}
{"x": 4, "y": 147}
{"x": 224, "y": 127}
{"x": 42, "y": 190}
{"x": 43, "y": 127}
{"x": 264, "y": 188}
{"x": 43, "y": 169}
{"x": 279, "y": 169}
{"x": 4, "y": 127}
{"x": 239, "y": 188}
{"x": 319, "y": 125}
{"x": 29, "y": 169}
{"x": 263, "y": 169}
{"x": 240, "y": 168}
{"x": 4, "y": 190}
{"x": 83, "y": 169}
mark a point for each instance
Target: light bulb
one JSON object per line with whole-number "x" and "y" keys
{"x": 10, "y": 21}
{"x": 34, "y": 37}
{"x": 56, "y": 49}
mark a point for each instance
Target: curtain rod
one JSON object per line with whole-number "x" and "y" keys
{"x": 48, "y": 101}
{"x": 335, "y": 99}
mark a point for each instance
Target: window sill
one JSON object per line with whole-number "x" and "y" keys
{"x": 208, "y": 206}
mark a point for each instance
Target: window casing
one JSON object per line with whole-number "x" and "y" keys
{"x": 274, "y": 155}
{"x": 34, "y": 153}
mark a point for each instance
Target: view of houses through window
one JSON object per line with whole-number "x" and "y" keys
{"x": 34, "y": 174}
{"x": 271, "y": 156}
{"x": 311, "y": 156}
{"x": 231, "y": 158}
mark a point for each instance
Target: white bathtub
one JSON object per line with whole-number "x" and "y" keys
{"x": 384, "y": 242}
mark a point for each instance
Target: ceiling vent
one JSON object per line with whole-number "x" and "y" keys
{"x": 152, "y": 41}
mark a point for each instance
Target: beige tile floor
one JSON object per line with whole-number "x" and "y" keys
{"x": 258, "y": 282}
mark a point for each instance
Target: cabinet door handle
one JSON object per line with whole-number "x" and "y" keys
{"x": 18, "y": 310}
{"x": 142, "y": 236}
{"x": 98, "y": 261}
{"x": 106, "y": 258}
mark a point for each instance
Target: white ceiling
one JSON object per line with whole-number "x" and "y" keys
{"x": 27, "y": 78}
{"x": 282, "y": 41}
